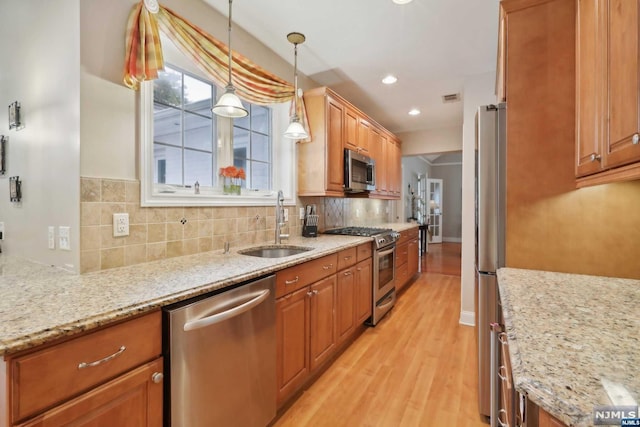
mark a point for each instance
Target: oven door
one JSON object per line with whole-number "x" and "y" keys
{"x": 384, "y": 272}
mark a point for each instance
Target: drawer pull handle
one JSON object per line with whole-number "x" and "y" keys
{"x": 502, "y": 337}
{"x": 348, "y": 257}
{"x": 290, "y": 282}
{"x": 348, "y": 273}
{"x": 502, "y": 373}
{"x": 501, "y": 423}
{"x": 636, "y": 139}
{"x": 157, "y": 377}
{"x": 315, "y": 291}
{"x": 106, "y": 359}
{"x": 327, "y": 267}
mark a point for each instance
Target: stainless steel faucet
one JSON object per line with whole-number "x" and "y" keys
{"x": 280, "y": 217}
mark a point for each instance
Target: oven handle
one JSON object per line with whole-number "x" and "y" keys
{"x": 385, "y": 303}
{"x": 387, "y": 252}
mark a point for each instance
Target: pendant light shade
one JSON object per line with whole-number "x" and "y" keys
{"x": 295, "y": 130}
{"x": 229, "y": 105}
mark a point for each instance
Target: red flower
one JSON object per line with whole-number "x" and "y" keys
{"x": 232, "y": 172}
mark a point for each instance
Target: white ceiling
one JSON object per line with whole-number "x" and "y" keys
{"x": 430, "y": 45}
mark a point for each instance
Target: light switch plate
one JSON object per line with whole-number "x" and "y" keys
{"x": 120, "y": 224}
{"x": 51, "y": 237}
{"x": 64, "y": 238}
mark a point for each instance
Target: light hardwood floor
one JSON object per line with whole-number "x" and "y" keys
{"x": 416, "y": 368}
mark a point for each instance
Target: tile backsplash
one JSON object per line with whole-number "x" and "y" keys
{"x": 157, "y": 233}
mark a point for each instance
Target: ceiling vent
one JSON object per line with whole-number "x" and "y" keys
{"x": 453, "y": 97}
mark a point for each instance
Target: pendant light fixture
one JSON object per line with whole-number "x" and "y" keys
{"x": 229, "y": 105}
{"x": 295, "y": 130}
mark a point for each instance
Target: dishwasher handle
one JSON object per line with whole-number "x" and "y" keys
{"x": 220, "y": 317}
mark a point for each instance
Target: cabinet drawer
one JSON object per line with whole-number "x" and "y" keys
{"x": 347, "y": 258}
{"x": 402, "y": 254}
{"x": 47, "y": 377}
{"x": 402, "y": 275}
{"x": 364, "y": 251}
{"x": 407, "y": 235}
{"x": 299, "y": 276}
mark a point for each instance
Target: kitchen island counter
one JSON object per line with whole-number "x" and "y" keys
{"x": 574, "y": 340}
{"x": 40, "y": 303}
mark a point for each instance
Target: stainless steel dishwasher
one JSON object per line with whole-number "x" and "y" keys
{"x": 221, "y": 355}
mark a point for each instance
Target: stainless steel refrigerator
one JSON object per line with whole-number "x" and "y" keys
{"x": 490, "y": 234}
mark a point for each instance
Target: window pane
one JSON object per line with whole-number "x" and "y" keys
{"x": 260, "y": 119}
{"x": 240, "y": 143}
{"x": 197, "y": 167}
{"x": 197, "y": 96}
{"x": 198, "y": 132}
{"x": 260, "y": 147}
{"x": 167, "y": 126}
{"x": 167, "y": 88}
{"x": 168, "y": 165}
{"x": 244, "y": 122}
{"x": 260, "y": 178}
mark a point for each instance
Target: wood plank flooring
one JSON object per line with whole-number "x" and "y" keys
{"x": 416, "y": 368}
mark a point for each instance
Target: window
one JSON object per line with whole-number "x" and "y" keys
{"x": 183, "y": 130}
{"x": 183, "y": 142}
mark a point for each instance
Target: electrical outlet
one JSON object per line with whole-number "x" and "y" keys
{"x": 1, "y": 230}
{"x": 52, "y": 237}
{"x": 64, "y": 238}
{"x": 120, "y": 224}
{"x": 286, "y": 214}
{"x": 301, "y": 213}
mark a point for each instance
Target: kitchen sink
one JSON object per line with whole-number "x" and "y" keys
{"x": 274, "y": 251}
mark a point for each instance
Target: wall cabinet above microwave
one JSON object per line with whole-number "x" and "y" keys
{"x": 337, "y": 125}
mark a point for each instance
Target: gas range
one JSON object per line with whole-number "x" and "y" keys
{"x": 383, "y": 237}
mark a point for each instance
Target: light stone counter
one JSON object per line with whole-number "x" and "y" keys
{"x": 568, "y": 334}
{"x": 39, "y": 304}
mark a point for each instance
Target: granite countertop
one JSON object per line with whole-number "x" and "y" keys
{"x": 41, "y": 303}
{"x": 571, "y": 338}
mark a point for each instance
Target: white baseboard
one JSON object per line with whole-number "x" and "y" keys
{"x": 468, "y": 318}
{"x": 452, "y": 239}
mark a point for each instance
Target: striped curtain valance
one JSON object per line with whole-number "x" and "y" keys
{"x": 144, "y": 58}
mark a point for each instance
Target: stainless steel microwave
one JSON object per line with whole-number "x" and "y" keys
{"x": 359, "y": 172}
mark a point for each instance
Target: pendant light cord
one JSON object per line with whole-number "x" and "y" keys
{"x": 229, "y": 45}
{"x": 295, "y": 80}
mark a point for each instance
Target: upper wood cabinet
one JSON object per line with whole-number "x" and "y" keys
{"x": 607, "y": 91}
{"x": 335, "y": 125}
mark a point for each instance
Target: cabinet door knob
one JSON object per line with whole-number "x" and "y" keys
{"x": 635, "y": 139}
{"x": 315, "y": 292}
{"x": 157, "y": 377}
{"x": 595, "y": 157}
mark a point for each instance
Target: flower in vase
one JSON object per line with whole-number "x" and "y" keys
{"x": 231, "y": 177}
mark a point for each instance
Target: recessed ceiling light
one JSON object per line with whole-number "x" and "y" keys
{"x": 390, "y": 79}
{"x": 402, "y": 1}
{"x": 414, "y": 112}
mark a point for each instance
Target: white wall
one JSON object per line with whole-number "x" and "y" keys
{"x": 40, "y": 50}
{"x": 431, "y": 141}
{"x": 478, "y": 90}
{"x": 451, "y": 176}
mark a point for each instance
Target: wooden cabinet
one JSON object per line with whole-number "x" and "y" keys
{"x": 320, "y": 168}
{"x": 82, "y": 379}
{"x": 545, "y": 419}
{"x": 363, "y": 290}
{"x": 314, "y": 319}
{"x": 407, "y": 257}
{"x": 335, "y": 125}
{"x": 607, "y": 91}
{"x": 292, "y": 342}
{"x": 131, "y": 400}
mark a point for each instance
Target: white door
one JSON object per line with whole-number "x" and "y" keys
{"x": 434, "y": 209}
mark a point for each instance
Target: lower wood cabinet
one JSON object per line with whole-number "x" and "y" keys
{"x": 545, "y": 419}
{"x": 314, "y": 321}
{"x": 112, "y": 376}
{"x": 131, "y": 400}
{"x": 407, "y": 257}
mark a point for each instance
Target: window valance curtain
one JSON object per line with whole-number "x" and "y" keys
{"x": 144, "y": 58}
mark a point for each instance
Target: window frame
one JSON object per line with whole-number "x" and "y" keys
{"x": 283, "y": 164}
